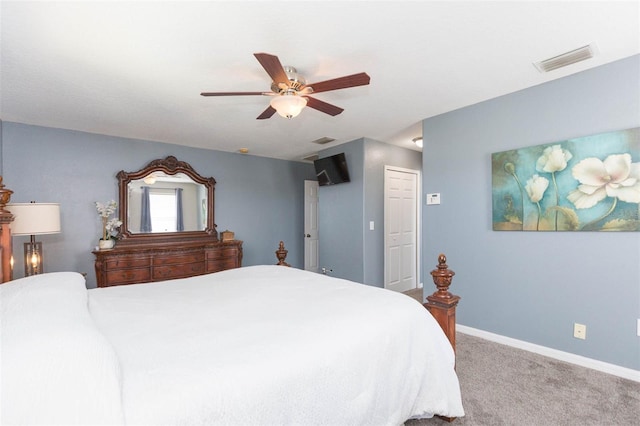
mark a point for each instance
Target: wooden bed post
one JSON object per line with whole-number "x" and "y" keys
{"x": 442, "y": 304}
{"x": 281, "y": 254}
{"x": 6, "y": 251}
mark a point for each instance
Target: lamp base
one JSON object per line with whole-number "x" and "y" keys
{"x": 33, "y": 258}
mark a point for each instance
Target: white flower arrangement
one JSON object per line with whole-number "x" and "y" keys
{"x": 109, "y": 225}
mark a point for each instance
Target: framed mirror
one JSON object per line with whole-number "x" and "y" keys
{"x": 166, "y": 200}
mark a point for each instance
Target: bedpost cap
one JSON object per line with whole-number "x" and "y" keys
{"x": 281, "y": 254}
{"x": 442, "y": 278}
{"x": 5, "y": 197}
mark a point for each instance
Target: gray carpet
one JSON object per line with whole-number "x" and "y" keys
{"x": 502, "y": 385}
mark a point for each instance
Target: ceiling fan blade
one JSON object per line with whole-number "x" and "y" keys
{"x": 323, "y": 106}
{"x": 273, "y": 67}
{"x": 361, "y": 79}
{"x": 234, "y": 93}
{"x": 267, "y": 113}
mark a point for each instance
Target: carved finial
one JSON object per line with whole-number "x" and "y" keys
{"x": 442, "y": 261}
{"x": 442, "y": 278}
{"x": 281, "y": 254}
{"x": 5, "y": 196}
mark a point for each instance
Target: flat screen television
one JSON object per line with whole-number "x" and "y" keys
{"x": 332, "y": 170}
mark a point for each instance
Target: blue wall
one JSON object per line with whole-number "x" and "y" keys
{"x": 260, "y": 199}
{"x": 340, "y": 217}
{"x": 377, "y": 156}
{"x": 533, "y": 286}
{"x": 346, "y": 245}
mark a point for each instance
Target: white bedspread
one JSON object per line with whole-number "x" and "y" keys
{"x": 56, "y": 368}
{"x": 272, "y": 345}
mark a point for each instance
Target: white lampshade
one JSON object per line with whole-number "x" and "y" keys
{"x": 418, "y": 141}
{"x": 288, "y": 106}
{"x": 35, "y": 218}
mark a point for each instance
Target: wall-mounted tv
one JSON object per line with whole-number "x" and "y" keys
{"x": 332, "y": 170}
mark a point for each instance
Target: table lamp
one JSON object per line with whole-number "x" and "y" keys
{"x": 34, "y": 219}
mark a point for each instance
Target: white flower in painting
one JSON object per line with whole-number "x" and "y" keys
{"x": 615, "y": 177}
{"x": 553, "y": 159}
{"x": 536, "y": 186}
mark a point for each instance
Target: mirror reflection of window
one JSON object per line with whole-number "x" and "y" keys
{"x": 163, "y": 210}
{"x": 193, "y": 197}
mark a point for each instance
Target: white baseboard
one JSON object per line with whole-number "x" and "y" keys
{"x": 616, "y": 370}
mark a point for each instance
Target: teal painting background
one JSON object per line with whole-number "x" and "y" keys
{"x": 510, "y": 205}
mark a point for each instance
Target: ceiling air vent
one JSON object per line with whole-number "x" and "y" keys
{"x": 323, "y": 140}
{"x": 577, "y": 55}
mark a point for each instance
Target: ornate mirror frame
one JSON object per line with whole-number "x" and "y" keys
{"x": 170, "y": 166}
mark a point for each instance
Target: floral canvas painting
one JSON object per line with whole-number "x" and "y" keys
{"x": 590, "y": 183}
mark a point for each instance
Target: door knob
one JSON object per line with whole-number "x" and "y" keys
{"x": 308, "y": 235}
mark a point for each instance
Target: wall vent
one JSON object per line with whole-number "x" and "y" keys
{"x": 323, "y": 141}
{"x": 568, "y": 58}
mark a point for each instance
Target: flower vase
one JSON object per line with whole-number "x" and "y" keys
{"x": 106, "y": 244}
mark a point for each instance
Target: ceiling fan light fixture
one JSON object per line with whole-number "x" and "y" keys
{"x": 288, "y": 105}
{"x": 291, "y": 93}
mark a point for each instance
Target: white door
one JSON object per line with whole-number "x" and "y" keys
{"x": 311, "y": 225}
{"x": 401, "y": 228}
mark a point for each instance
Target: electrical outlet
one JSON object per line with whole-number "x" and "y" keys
{"x": 638, "y": 328}
{"x": 579, "y": 331}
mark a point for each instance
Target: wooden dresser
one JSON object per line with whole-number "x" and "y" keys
{"x": 142, "y": 263}
{"x": 142, "y": 255}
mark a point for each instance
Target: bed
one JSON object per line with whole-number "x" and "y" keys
{"x": 253, "y": 345}
{"x": 256, "y": 345}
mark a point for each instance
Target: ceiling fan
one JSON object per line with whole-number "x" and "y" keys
{"x": 291, "y": 92}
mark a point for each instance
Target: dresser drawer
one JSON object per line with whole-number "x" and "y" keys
{"x": 166, "y": 259}
{"x": 127, "y": 262}
{"x": 222, "y": 253}
{"x": 127, "y": 276}
{"x": 221, "y": 265}
{"x": 167, "y": 272}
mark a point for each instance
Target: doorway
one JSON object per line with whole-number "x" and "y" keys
{"x": 401, "y": 228}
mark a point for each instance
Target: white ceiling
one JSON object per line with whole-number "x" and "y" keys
{"x": 136, "y": 69}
